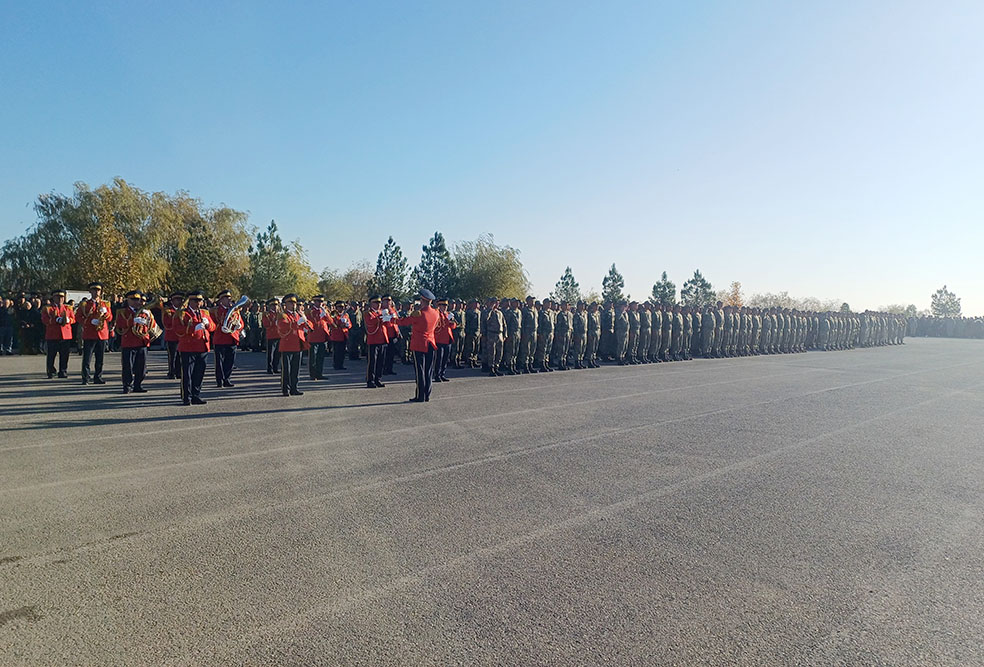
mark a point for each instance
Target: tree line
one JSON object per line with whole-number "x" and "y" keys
{"x": 127, "y": 237}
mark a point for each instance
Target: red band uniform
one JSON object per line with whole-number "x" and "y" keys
{"x": 134, "y": 324}
{"x": 57, "y": 320}
{"x": 293, "y": 328}
{"x": 194, "y": 328}
{"x": 95, "y": 314}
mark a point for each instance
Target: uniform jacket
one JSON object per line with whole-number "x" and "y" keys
{"x": 338, "y": 328}
{"x": 443, "y": 330}
{"x": 270, "y": 325}
{"x": 220, "y": 338}
{"x": 377, "y": 331}
{"x": 423, "y": 323}
{"x": 53, "y": 330}
{"x": 495, "y": 324}
{"x": 320, "y": 320}
{"x": 126, "y": 323}
{"x": 292, "y": 333}
{"x": 190, "y": 337}
{"x": 95, "y": 310}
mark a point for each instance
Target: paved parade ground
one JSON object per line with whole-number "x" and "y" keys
{"x": 812, "y": 508}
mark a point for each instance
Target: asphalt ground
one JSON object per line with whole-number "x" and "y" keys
{"x": 814, "y": 508}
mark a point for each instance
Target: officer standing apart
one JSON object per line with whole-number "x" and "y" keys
{"x": 194, "y": 328}
{"x": 422, "y": 343}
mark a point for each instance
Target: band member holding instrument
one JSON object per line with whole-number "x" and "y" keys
{"x": 57, "y": 320}
{"x": 134, "y": 324}
{"x": 293, "y": 327}
{"x": 194, "y": 326}
{"x": 377, "y": 338}
{"x": 338, "y": 328}
{"x": 392, "y": 333}
{"x": 270, "y": 318}
{"x": 319, "y": 319}
{"x": 422, "y": 343}
{"x": 225, "y": 342}
{"x": 444, "y": 337}
{"x": 95, "y": 314}
{"x": 169, "y": 319}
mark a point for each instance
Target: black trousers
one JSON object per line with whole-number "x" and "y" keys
{"x": 316, "y": 361}
{"x": 92, "y": 348}
{"x": 290, "y": 367}
{"x": 441, "y": 358}
{"x": 192, "y": 372}
{"x": 392, "y": 348}
{"x": 338, "y": 354}
{"x": 59, "y": 348}
{"x": 134, "y": 366}
{"x": 423, "y": 367}
{"x": 173, "y": 359}
{"x": 225, "y": 358}
{"x": 374, "y": 367}
{"x": 273, "y": 355}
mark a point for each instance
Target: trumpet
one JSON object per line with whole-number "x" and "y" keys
{"x": 233, "y": 320}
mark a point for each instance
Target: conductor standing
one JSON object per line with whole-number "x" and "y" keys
{"x": 422, "y": 343}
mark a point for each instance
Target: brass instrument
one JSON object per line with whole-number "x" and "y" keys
{"x": 233, "y": 320}
{"x": 148, "y": 330}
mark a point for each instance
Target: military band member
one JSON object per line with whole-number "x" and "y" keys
{"x": 193, "y": 326}
{"x": 269, "y": 321}
{"x": 339, "y": 325}
{"x": 57, "y": 320}
{"x": 422, "y": 321}
{"x": 225, "y": 343}
{"x": 319, "y": 319}
{"x": 134, "y": 324}
{"x": 293, "y": 327}
{"x": 95, "y": 313}
{"x": 392, "y": 333}
{"x": 444, "y": 338}
{"x": 169, "y": 315}
{"x": 376, "y": 322}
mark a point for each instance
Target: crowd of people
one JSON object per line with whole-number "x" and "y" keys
{"x": 500, "y": 336}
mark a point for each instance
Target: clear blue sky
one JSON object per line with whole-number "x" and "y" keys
{"x": 831, "y": 149}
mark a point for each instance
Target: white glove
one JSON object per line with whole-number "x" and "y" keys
{"x": 140, "y": 320}
{"x": 200, "y": 326}
{"x": 205, "y": 321}
{"x": 387, "y": 317}
{"x": 302, "y": 320}
{"x": 95, "y": 323}
{"x": 102, "y": 311}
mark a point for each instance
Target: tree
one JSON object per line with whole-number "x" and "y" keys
{"x": 734, "y": 296}
{"x": 911, "y": 310}
{"x": 436, "y": 270}
{"x": 269, "y": 270}
{"x": 304, "y": 279}
{"x": 485, "y": 269}
{"x": 696, "y": 292}
{"x": 353, "y": 284}
{"x": 664, "y": 291}
{"x": 945, "y": 303}
{"x": 566, "y": 288}
{"x": 391, "y": 271}
{"x": 612, "y": 286}
{"x": 845, "y": 307}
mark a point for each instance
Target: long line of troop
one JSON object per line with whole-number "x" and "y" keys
{"x": 502, "y": 336}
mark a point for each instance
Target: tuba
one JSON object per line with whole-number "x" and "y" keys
{"x": 233, "y": 320}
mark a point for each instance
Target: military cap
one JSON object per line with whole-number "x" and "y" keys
{"x": 318, "y": 296}
{"x": 440, "y": 301}
{"x": 134, "y": 294}
{"x": 94, "y": 285}
{"x": 223, "y": 293}
{"x": 425, "y": 293}
{"x": 56, "y": 292}
{"x": 174, "y": 294}
{"x": 388, "y": 296}
{"x": 339, "y": 303}
{"x": 290, "y": 298}
{"x": 196, "y": 294}
{"x": 375, "y": 299}
{"x": 272, "y": 299}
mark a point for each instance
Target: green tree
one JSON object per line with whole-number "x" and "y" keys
{"x": 945, "y": 303}
{"x": 911, "y": 310}
{"x": 436, "y": 270}
{"x": 664, "y": 291}
{"x": 612, "y": 286}
{"x": 845, "y": 307}
{"x": 696, "y": 291}
{"x": 391, "y": 271}
{"x": 486, "y": 269}
{"x": 351, "y": 284}
{"x": 269, "y": 271}
{"x": 566, "y": 288}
